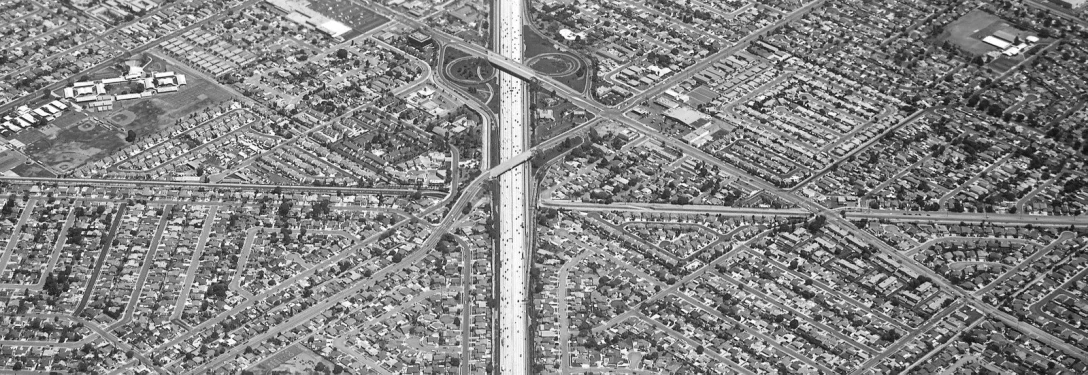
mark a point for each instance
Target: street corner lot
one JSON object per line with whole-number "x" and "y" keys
{"x": 152, "y": 115}
{"x": 968, "y": 31}
{"x": 294, "y": 360}
{"x": 73, "y": 146}
{"x": 359, "y": 18}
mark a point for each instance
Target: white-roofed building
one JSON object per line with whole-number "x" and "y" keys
{"x": 298, "y": 12}
{"x": 1070, "y": 4}
{"x": 996, "y": 42}
{"x": 110, "y": 81}
{"x": 334, "y": 28}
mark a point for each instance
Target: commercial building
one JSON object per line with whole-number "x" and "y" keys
{"x": 686, "y": 116}
{"x": 1070, "y": 4}
{"x": 419, "y": 40}
{"x": 298, "y": 12}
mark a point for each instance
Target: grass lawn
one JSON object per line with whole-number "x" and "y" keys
{"x": 554, "y": 64}
{"x": 107, "y": 72}
{"x": 10, "y": 159}
{"x": 573, "y": 81}
{"x": 452, "y": 54}
{"x": 76, "y": 145}
{"x": 472, "y": 69}
{"x": 535, "y": 44}
{"x": 32, "y": 170}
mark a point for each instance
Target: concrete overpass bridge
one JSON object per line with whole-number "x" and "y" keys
{"x": 510, "y": 66}
{"x": 509, "y": 164}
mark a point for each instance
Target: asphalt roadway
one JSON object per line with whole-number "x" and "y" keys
{"x": 678, "y": 209}
{"x": 967, "y": 217}
{"x": 513, "y": 250}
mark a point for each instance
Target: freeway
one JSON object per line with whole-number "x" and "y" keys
{"x": 513, "y": 285}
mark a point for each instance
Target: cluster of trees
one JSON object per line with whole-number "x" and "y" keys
{"x": 218, "y": 290}
{"x": 55, "y": 285}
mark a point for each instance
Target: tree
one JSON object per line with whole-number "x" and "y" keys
{"x": 816, "y": 224}
{"x": 341, "y": 54}
{"x": 131, "y": 137}
{"x": 51, "y": 285}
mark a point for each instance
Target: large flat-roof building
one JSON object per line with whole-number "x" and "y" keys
{"x": 686, "y": 116}
{"x": 997, "y": 42}
{"x": 1070, "y": 4}
{"x": 297, "y": 11}
{"x": 419, "y": 40}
